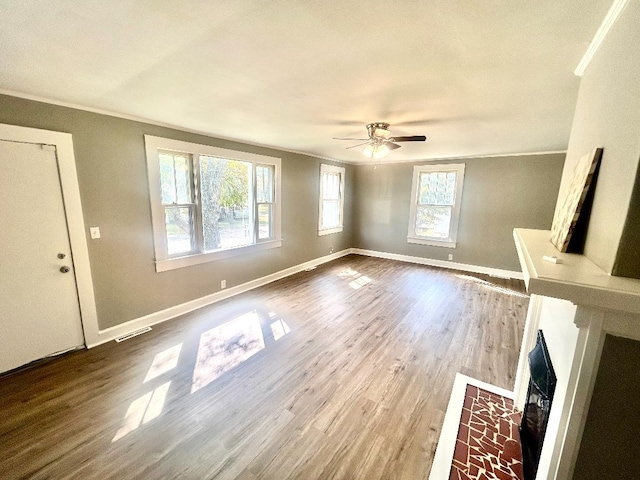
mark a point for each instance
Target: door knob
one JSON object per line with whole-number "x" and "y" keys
{"x": 65, "y": 269}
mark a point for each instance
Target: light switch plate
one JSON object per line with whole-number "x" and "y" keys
{"x": 95, "y": 232}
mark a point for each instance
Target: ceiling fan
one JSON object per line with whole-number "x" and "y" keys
{"x": 380, "y": 142}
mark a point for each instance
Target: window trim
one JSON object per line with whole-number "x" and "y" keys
{"x": 163, "y": 261}
{"x": 256, "y": 201}
{"x": 331, "y": 169}
{"x": 192, "y": 206}
{"x": 451, "y": 241}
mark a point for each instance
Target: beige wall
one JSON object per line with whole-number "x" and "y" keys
{"x": 608, "y": 115}
{"x": 111, "y": 165}
{"x": 627, "y": 263}
{"x": 499, "y": 194}
{"x": 609, "y": 446}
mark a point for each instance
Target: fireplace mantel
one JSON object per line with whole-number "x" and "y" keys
{"x": 576, "y": 279}
{"x": 576, "y": 304}
{"x": 578, "y": 307}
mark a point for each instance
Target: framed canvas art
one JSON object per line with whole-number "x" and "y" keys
{"x": 566, "y": 217}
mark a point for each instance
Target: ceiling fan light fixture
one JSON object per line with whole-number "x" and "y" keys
{"x": 369, "y": 151}
{"x": 382, "y": 133}
{"x": 381, "y": 151}
{"x": 380, "y": 142}
{"x": 377, "y": 151}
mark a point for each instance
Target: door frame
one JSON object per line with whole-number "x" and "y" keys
{"x": 73, "y": 211}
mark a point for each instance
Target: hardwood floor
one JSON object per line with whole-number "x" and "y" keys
{"x": 344, "y": 373}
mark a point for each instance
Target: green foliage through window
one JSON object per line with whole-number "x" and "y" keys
{"x": 223, "y": 190}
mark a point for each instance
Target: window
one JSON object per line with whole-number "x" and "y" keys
{"x": 435, "y": 204}
{"x": 331, "y": 199}
{"x": 209, "y": 203}
{"x": 177, "y": 201}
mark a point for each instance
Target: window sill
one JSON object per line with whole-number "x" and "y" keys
{"x": 198, "y": 258}
{"x": 431, "y": 242}
{"x": 329, "y": 231}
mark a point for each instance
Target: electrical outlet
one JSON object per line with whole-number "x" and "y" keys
{"x": 330, "y": 249}
{"x": 451, "y": 256}
{"x": 223, "y": 284}
{"x": 95, "y": 232}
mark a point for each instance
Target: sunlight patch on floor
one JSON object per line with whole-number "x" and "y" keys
{"x": 279, "y": 328}
{"x": 357, "y": 279}
{"x": 359, "y": 282}
{"x": 349, "y": 272}
{"x": 222, "y": 348}
{"x": 143, "y": 409}
{"x": 491, "y": 286}
{"x": 163, "y": 362}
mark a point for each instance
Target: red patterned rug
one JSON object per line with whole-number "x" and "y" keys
{"x": 488, "y": 442}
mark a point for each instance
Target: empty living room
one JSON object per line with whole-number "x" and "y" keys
{"x": 318, "y": 240}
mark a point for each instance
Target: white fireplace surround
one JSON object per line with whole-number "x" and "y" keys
{"x": 576, "y": 304}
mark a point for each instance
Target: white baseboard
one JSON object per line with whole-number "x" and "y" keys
{"x": 494, "y": 272}
{"x": 112, "y": 333}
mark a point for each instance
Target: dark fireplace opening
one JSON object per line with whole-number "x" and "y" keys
{"x": 538, "y": 405}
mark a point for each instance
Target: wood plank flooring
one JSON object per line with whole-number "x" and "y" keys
{"x": 347, "y": 377}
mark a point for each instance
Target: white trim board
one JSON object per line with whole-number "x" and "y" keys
{"x": 73, "y": 210}
{"x": 441, "y": 466}
{"x": 193, "y": 151}
{"x": 612, "y": 15}
{"x": 149, "y": 121}
{"x": 170, "y": 313}
{"x": 494, "y": 272}
{"x": 462, "y": 157}
{"x": 215, "y": 136}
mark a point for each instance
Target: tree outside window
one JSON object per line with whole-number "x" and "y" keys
{"x": 203, "y": 204}
{"x": 435, "y": 207}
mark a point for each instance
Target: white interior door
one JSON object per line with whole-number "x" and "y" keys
{"x": 39, "y": 309}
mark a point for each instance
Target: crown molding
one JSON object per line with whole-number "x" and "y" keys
{"x": 611, "y": 17}
{"x": 464, "y": 157}
{"x": 124, "y": 116}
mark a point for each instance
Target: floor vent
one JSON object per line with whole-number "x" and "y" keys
{"x": 133, "y": 334}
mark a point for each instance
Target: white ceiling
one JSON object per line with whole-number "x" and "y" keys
{"x": 477, "y": 77}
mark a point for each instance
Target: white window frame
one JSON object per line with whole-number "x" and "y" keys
{"x": 322, "y": 230}
{"x": 451, "y": 241}
{"x": 165, "y": 262}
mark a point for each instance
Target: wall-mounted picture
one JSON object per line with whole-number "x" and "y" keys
{"x": 566, "y": 217}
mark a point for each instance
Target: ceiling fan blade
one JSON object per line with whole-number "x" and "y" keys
{"x": 391, "y": 146}
{"x": 349, "y": 138}
{"x": 358, "y": 145}
{"x": 409, "y": 138}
